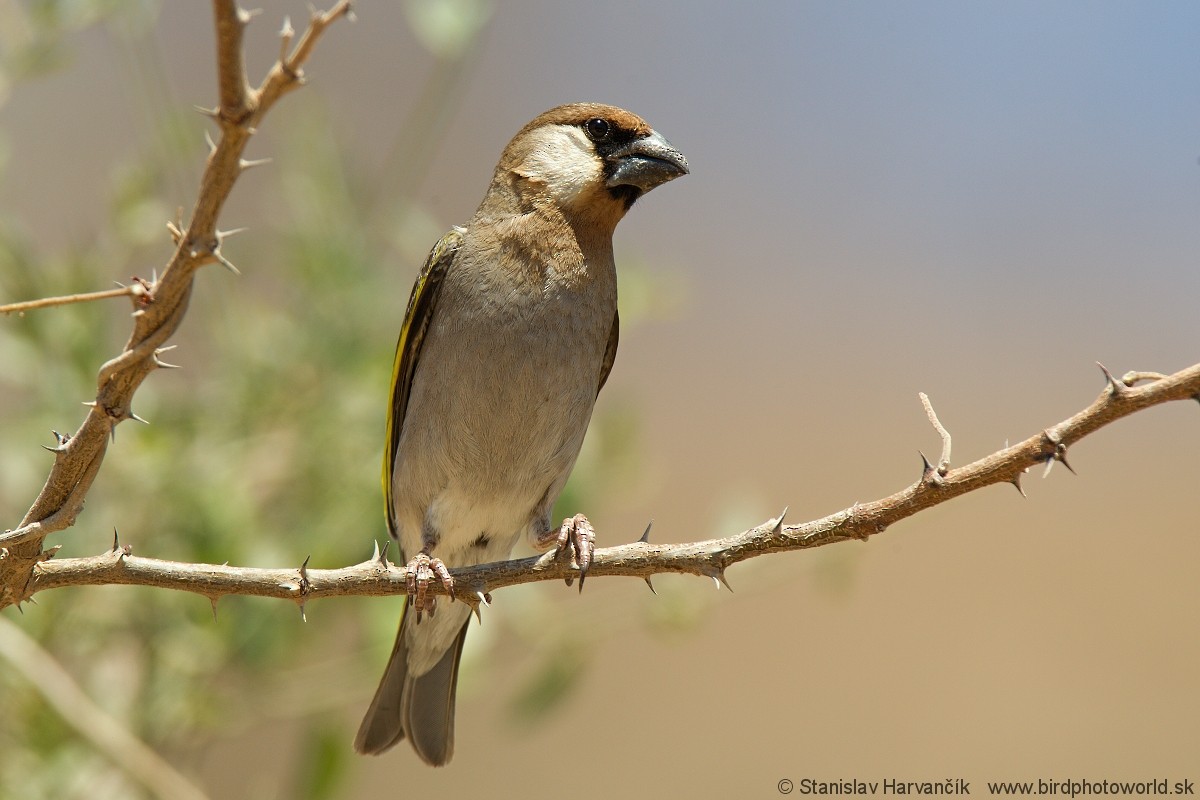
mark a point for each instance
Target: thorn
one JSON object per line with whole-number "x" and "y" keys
{"x": 62, "y": 440}
{"x": 485, "y": 599}
{"x": 245, "y": 15}
{"x": 136, "y": 418}
{"x": 1016, "y": 481}
{"x": 778, "y": 527}
{"x": 1060, "y": 454}
{"x": 383, "y": 553}
{"x": 475, "y": 607}
{"x": 251, "y": 163}
{"x": 928, "y": 472}
{"x": 1049, "y": 465}
{"x": 90, "y": 403}
{"x": 285, "y": 36}
{"x": 212, "y": 146}
{"x": 116, "y": 541}
{"x": 651, "y": 585}
{"x": 303, "y": 587}
{"x": 716, "y": 582}
{"x": 211, "y": 113}
{"x": 176, "y": 233}
{"x": 1114, "y": 386}
{"x": 721, "y": 576}
{"x": 213, "y": 601}
{"x": 226, "y": 263}
{"x": 159, "y": 362}
{"x": 375, "y": 553}
{"x": 645, "y": 539}
{"x": 226, "y": 234}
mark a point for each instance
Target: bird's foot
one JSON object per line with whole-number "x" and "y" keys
{"x": 577, "y": 538}
{"x": 419, "y": 572}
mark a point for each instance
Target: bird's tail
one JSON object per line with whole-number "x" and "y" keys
{"x": 420, "y": 707}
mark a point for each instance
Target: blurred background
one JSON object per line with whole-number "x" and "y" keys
{"x": 977, "y": 201}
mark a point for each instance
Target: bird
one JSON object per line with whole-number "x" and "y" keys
{"x": 509, "y": 335}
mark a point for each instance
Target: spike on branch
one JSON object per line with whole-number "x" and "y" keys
{"x": 1116, "y": 388}
{"x": 777, "y": 528}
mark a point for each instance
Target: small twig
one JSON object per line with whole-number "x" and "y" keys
{"x": 1134, "y": 378}
{"x": 48, "y": 302}
{"x": 944, "y": 462}
{"x": 236, "y": 100}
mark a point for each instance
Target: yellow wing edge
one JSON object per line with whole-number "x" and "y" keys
{"x": 412, "y": 334}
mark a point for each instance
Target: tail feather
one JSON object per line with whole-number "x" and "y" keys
{"x": 420, "y": 707}
{"x": 427, "y": 710}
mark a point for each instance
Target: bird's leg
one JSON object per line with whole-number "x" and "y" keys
{"x": 577, "y": 537}
{"x": 418, "y": 573}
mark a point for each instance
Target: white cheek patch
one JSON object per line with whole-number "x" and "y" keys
{"x": 563, "y": 160}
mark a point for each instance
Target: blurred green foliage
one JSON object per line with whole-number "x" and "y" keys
{"x": 262, "y": 451}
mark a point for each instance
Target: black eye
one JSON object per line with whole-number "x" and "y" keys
{"x": 598, "y": 129}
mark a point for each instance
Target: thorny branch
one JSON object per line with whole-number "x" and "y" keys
{"x": 160, "y": 307}
{"x": 377, "y": 576}
{"x": 139, "y": 289}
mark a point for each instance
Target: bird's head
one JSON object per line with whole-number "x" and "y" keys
{"x": 590, "y": 159}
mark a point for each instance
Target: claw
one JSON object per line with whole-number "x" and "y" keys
{"x": 579, "y": 538}
{"x": 418, "y": 573}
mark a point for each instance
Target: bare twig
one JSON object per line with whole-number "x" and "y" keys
{"x": 943, "y": 462}
{"x": 240, "y": 111}
{"x": 711, "y": 558}
{"x": 1134, "y": 378}
{"x": 73, "y": 705}
{"x": 132, "y": 290}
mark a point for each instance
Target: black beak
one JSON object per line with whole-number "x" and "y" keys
{"x": 645, "y": 163}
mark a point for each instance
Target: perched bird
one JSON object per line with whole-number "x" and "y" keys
{"x": 510, "y": 333}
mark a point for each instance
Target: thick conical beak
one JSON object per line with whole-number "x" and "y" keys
{"x": 645, "y": 163}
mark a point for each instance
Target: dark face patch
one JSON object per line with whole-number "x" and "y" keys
{"x": 609, "y": 136}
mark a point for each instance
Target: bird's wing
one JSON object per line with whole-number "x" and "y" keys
{"x": 610, "y": 353}
{"x": 408, "y": 349}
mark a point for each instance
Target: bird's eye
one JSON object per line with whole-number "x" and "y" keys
{"x": 598, "y": 129}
